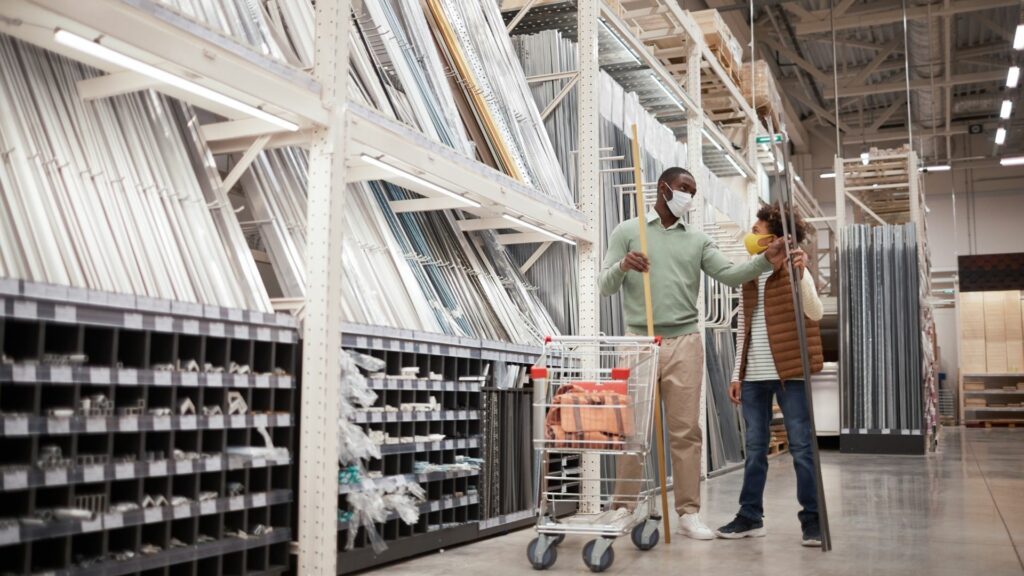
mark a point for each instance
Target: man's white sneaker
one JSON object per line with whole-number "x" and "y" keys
{"x": 691, "y": 526}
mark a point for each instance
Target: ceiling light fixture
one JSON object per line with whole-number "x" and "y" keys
{"x": 1000, "y": 136}
{"x": 1012, "y": 161}
{"x": 935, "y": 168}
{"x": 1018, "y": 38}
{"x": 865, "y": 157}
{"x": 414, "y": 178}
{"x": 1012, "y": 76}
{"x": 734, "y": 164}
{"x": 707, "y": 135}
{"x": 535, "y": 228}
{"x": 1006, "y": 109}
{"x": 668, "y": 92}
{"x": 103, "y": 53}
{"x": 620, "y": 42}
{"x": 827, "y": 175}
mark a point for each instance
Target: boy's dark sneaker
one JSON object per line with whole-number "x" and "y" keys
{"x": 812, "y": 534}
{"x": 742, "y": 527}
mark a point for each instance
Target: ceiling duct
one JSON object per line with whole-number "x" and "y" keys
{"x": 925, "y": 56}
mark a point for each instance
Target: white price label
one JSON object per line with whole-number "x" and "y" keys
{"x": 101, "y": 376}
{"x": 259, "y": 499}
{"x": 94, "y": 473}
{"x": 124, "y": 470}
{"x": 242, "y": 332}
{"x": 262, "y": 381}
{"x": 111, "y": 521}
{"x": 15, "y": 426}
{"x": 63, "y": 313}
{"x": 158, "y": 468}
{"x": 58, "y": 425}
{"x": 95, "y": 425}
{"x": 25, "y": 309}
{"x": 184, "y": 467}
{"x": 183, "y": 511}
{"x": 213, "y": 464}
{"x": 153, "y": 515}
{"x": 133, "y": 320}
{"x": 237, "y": 421}
{"x": 217, "y": 329}
{"x": 129, "y": 424}
{"x": 189, "y": 379}
{"x": 215, "y": 380}
{"x": 23, "y": 373}
{"x": 15, "y": 480}
{"x": 260, "y": 420}
{"x": 161, "y": 378}
{"x": 263, "y": 334}
{"x": 94, "y": 525}
{"x": 55, "y": 477}
{"x": 164, "y": 324}
{"x": 208, "y": 507}
{"x": 236, "y": 503}
{"x": 10, "y": 535}
{"x": 190, "y": 326}
{"x": 188, "y": 422}
{"x": 215, "y": 422}
{"x": 161, "y": 422}
{"x": 128, "y": 376}
{"x": 61, "y": 374}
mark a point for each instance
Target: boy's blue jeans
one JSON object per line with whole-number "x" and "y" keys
{"x": 757, "y": 414}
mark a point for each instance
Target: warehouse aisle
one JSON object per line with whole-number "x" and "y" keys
{"x": 958, "y": 512}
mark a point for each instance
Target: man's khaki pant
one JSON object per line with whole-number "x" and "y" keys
{"x": 680, "y": 374}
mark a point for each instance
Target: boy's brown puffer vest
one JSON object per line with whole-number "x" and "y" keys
{"x": 780, "y": 320}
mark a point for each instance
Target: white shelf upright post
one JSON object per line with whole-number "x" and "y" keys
{"x": 589, "y": 183}
{"x": 321, "y": 367}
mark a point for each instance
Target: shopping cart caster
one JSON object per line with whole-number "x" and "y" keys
{"x": 645, "y": 535}
{"x": 598, "y": 554}
{"x": 543, "y": 551}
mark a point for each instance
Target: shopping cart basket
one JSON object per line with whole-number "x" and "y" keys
{"x": 595, "y": 398}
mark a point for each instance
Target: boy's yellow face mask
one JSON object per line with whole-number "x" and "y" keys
{"x": 754, "y": 243}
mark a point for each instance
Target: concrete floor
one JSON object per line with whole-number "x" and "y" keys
{"x": 958, "y": 512}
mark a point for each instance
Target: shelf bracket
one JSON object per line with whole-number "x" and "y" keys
{"x": 243, "y": 163}
{"x": 534, "y": 257}
{"x": 560, "y": 96}
{"x": 113, "y": 84}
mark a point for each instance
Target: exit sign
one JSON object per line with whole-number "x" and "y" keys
{"x": 769, "y": 139}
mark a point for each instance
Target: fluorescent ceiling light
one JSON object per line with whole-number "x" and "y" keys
{"x": 936, "y": 168}
{"x": 1012, "y": 76}
{"x": 414, "y": 178}
{"x": 797, "y": 178}
{"x": 827, "y": 175}
{"x": 668, "y": 92}
{"x": 1006, "y": 109}
{"x": 1000, "y": 136}
{"x": 526, "y": 224}
{"x": 1012, "y": 161}
{"x": 619, "y": 40}
{"x": 102, "y": 52}
{"x": 707, "y": 135}
{"x": 734, "y": 164}
{"x": 1018, "y": 38}
{"x": 865, "y": 157}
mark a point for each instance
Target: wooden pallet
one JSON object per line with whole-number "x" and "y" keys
{"x": 778, "y": 447}
{"x": 995, "y": 423}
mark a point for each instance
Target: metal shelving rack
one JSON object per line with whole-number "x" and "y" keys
{"x": 454, "y": 511}
{"x": 65, "y": 346}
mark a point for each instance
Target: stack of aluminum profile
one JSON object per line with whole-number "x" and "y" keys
{"x": 724, "y": 425}
{"x": 880, "y": 336}
{"x": 111, "y": 194}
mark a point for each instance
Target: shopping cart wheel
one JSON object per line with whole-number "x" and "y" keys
{"x": 559, "y": 539}
{"x": 542, "y": 552}
{"x": 598, "y": 554}
{"x": 645, "y": 535}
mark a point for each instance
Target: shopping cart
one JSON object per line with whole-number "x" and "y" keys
{"x": 594, "y": 407}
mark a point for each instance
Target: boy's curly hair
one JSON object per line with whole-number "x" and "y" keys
{"x": 773, "y": 218}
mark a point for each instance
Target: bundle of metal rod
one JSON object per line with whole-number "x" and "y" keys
{"x": 104, "y": 194}
{"x": 410, "y": 270}
{"x": 881, "y": 337}
{"x": 244, "y": 21}
{"x": 725, "y": 433}
{"x": 479, "y": 51}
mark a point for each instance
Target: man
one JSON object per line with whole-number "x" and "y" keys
{"x": 675, "y": 257}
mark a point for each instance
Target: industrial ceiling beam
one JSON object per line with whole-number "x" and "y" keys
{"x": 919, "y": 84}
{"x": 883, "y": 12}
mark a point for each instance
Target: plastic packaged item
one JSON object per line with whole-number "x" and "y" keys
{"x": 368, "y": 363}
{"x": 353, "y": 444}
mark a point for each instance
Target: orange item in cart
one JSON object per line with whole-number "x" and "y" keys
{"x": 588, "y": 415}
